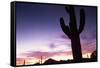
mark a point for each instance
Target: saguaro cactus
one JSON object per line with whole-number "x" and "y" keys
{"x": 73, "y": 32}
{"x": 24, "y": 62}
{"x": 41, "y": 60}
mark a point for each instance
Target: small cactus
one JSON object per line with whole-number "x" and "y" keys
{"x": 73, "y": 32}
{"x": 41, "y": 60}
{"x": 24, "y": 62}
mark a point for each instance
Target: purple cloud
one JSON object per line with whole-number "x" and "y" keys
{"x": 88, "y": 46}
{"x": 52, "y": 46}
{"x": 64, "y": 37}
{"x": 38, "y": 54}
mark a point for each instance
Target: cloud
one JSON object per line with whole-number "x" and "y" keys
{"x": 52, "y": 46}
{"x": 88, "y": 42}
{"x": 64, "y": 37}
{"x": 88, "y": 36}
{"x": 58, "y": 47}
{"x": 38, "y": 54}
{"x": 55, "y": 47}
{"x": 20, "y": 59}
{"x": 88, "y": 46}
{"x": 60, "y": 44}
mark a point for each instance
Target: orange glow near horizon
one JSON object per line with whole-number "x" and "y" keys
{"x": 29, "y": 61}
{"x": 86, "y": 55}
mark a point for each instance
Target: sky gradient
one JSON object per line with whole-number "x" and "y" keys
{"x": 38, "y": 32}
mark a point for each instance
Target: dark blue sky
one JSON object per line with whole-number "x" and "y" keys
{"x": 38, "y": 25}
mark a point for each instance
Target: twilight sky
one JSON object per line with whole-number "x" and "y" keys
{"x": 38, "y": 31}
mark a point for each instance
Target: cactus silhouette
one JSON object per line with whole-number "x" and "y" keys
{"x": 24, "y": 62}
{"x": 73, "y": 32}
{"x": 41, "y": 59}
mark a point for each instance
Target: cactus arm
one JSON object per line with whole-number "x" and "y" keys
{"x": 67, "y": 9}
{"x": 82, "y": 21}
{"x": 71, "y": 12}
{"x": 65, "y": 28}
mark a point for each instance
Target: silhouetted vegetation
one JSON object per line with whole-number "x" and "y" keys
{"x": 73, "y": 32}
{"x": 94, "y": 55}
{"x": 52, "y": 61}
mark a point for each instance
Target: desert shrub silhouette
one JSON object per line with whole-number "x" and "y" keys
{"x": 73, "y": 32}
{"x": 94, "y": 55}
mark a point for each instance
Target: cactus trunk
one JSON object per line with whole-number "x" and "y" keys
{"x": 76, "y": 48}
